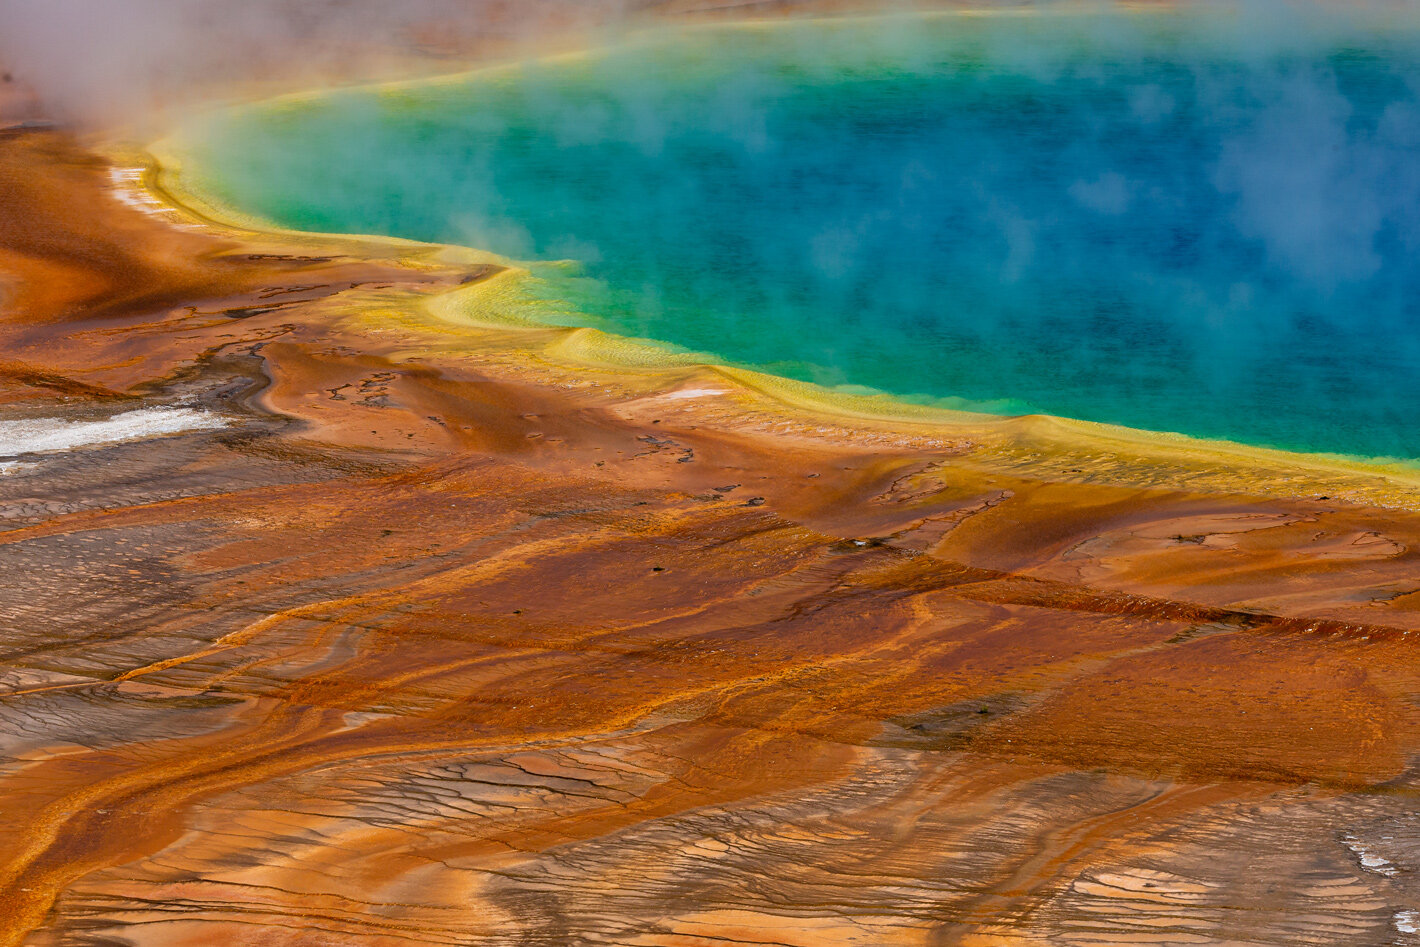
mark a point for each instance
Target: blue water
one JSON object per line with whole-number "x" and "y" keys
{"x": 1204, "y": 224}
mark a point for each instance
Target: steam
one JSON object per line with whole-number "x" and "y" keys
{"x": 105, "y": 62}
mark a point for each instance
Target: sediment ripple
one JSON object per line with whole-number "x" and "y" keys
{"x": 439, "y": 640}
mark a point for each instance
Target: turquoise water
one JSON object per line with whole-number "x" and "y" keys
{"x": 1203, "y": 224}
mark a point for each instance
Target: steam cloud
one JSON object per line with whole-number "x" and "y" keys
{"x": 104, "y": 62}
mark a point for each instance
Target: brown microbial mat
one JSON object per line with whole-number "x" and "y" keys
{"x": 326, "y": 620}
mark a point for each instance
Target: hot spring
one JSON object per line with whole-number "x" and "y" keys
{"x": 1198, "y": 223}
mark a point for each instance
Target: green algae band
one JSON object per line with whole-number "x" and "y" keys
{"x": 1180, "y": 222}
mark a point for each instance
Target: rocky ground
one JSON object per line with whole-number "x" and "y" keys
{"x": 411, "y": 632}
